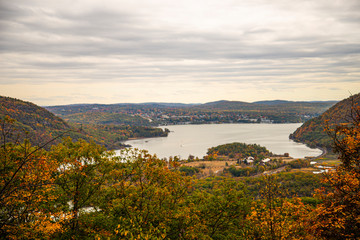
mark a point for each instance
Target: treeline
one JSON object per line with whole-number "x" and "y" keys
{"x": 294, "y": 184}
{"x": 240, "y": 150}
{"x": 252, "y": 170}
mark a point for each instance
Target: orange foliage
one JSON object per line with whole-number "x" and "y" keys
{"x": 338, "y": 216}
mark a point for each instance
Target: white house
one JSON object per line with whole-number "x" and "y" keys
{"x": 249, "y": 160}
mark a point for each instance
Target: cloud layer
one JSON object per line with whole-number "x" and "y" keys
{"x": 59, "y": 52}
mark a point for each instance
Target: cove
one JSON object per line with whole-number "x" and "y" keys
{"x": 184, "y": 140}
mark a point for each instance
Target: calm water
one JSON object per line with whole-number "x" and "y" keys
{"x": 184, "y": 140}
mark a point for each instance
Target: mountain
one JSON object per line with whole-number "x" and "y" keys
{"x": 224, "y": 105}
{"x": 272, "y": 102}
{"x": 40, "y": 125}
{"x": 285, "y": 102}
{"x": 161, "y": 104}
{"x": 312, "y": 132}
{"x": 37, "y": 122}
{"x": 269, "y": 106}
{"x": 30, "y": 115}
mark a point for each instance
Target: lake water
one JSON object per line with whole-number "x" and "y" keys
{"x": 184, "y": 140}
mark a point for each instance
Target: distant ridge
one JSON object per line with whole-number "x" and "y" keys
{"x": 218, "y": 104}
{"x": 272, "y": 102}
{"x": 224, "y": 102}
{"x": 225, "y": 105}
{"x": 277, "y": 102}
{"x": 158, "y": 104}
{"x": 170, "y": 104}
{"x": 223, "y": 111}
{"x": 312, "y": 132}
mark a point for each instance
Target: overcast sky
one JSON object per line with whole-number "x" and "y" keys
{"x": 101, "y": 51}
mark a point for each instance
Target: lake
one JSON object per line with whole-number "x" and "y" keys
{"x": 184, "y": 140}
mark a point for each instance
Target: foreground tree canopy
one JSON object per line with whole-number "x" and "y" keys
{"x": 78, "y": 190}
{"x": 338, "y": 216}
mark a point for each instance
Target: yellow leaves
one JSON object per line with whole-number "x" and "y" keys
{"x": 149, "y": 193}
{"x": 46, "y": 226}
{"x": 337, "y": 215}
{"x": 276, "y": 217}
{"x": 284, "y": 221}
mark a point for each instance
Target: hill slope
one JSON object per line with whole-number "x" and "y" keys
{"x": 312, "y": 132}
{"x": 30, "y": 115}
{"x": 107, "y": 118}
{"x": 39, "y": 126}
{"x": 39, "y": 123}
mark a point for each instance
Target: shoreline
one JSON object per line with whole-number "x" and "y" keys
{"x": 187, "y": 140}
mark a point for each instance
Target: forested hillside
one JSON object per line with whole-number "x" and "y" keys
{"x": 107, "y": 118}
{"x": 30, "y": 115}
{"x": 313, "y": 132}
{"x": 39, "y": 125}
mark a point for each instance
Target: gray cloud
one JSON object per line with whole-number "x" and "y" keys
{"x": 106, "y": 32}
{"x": 278, "y": 43}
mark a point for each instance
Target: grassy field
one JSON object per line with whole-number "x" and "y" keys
{"x": 216, "y": 167}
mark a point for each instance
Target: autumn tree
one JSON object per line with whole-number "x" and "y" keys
{"x": 83, "y": 168}
{"x": 26, "y": 187}
{"x": 275, "y": 217}
{"x": 145, "y": 198}
{"x": 338, "y": 216}
{"x": 222, "y": 207}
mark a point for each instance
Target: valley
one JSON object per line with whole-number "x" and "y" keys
{"x": 235, "y": 176}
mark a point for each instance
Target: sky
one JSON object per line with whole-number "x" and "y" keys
{"x": 115, "y": 51}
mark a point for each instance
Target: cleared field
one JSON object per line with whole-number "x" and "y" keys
{"x": 210, "y": 167}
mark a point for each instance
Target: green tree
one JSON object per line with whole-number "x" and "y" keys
{"x": 222, "y": 208}
{"x": 83, "y": 168}
{"x": 145, "y": 198}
